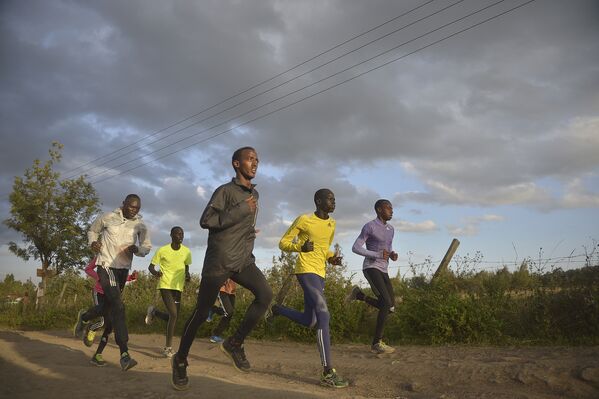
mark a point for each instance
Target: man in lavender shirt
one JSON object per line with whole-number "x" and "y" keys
{"x": 378, "y": 237}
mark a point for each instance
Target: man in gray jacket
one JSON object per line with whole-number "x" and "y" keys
{"x": 116, "y": 236}
{"x": 230, "y": 218}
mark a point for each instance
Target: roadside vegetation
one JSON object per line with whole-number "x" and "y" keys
{"x": 535, "y": 304}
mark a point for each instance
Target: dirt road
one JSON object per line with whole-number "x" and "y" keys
{"x": 52, "y": 364}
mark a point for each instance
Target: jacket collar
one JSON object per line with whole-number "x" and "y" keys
{"x": 119, "y": 212}
{"x": 238, "y": 182}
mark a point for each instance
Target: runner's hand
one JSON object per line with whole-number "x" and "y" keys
{"x": 335, "y": 260}
{"x": 133, "y": 249}
{"x": 96, "y": 246}
{"x": 393, "y": 256}
{"x": 252, "y": 203}
{"x": 308, "y": 246}
{"x": 385, "y": 254}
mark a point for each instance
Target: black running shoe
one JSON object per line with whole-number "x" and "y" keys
{"x": 79, "y": 324}
{"x": 127, "y": 362}
{"x": 237, "y": 354}
{"x": 269, "y": 316}
{"x": 179, "y": 379}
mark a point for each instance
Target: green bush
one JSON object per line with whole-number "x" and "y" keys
{"x": 465, "y": 308}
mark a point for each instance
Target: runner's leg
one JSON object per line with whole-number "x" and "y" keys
{"x": 228, "y": 307}
{"x": 252, "y": 278}
{"x": 209, "y": 288}
{"x": 382, "y": 288}
{"x": 172, "y": 301}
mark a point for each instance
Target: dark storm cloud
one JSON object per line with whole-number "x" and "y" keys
{"x": 478, "y": 119}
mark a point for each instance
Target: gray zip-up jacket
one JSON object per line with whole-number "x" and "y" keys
{"x": 231, "y": 229}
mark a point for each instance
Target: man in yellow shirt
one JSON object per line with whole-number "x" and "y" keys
{"x": 174, "y": 260}
{"x": 312, "y": 235}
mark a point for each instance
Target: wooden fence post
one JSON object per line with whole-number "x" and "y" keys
{"x": 447, "y": 258}
{"x": 64, "y": 287}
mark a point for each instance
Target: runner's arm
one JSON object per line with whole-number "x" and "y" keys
{"x": 360, "y": 249}
{"x": 217, "y": 216}
{"x": 287, "y": 243}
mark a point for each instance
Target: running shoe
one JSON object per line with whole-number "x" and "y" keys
{"x": 167, "y": 351}
{"x": 127, "y": 362}
{"x": 88, "y": 336}
{"x": 270, "y": 314}
{"x": 381, "y": 347}
{"x": 97, "y": 360}
{"x": 179, "y": 379}
{"x": 215, "y": 339}
{"x": 210, "y": 316}
{"x": 79, "y": 324}
{"x": 353, "y": 294}
{"x": 333, "y": 380}
{"x": 149, "y": 315}
{"x": 236, "y": 353}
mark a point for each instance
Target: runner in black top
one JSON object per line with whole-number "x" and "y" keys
{"x": 230, "y": 218}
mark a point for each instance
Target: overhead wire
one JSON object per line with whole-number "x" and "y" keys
{"x": 249, "y": 89}
{"x": 323, "y": 90}
{"x": 275, "y": 87}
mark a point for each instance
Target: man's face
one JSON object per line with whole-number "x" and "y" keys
{"x": 177, "y": 236}
{"x": 385, "y": 211}
{"x": 131, "y": 207}
{"x": 247, "y": 165}
{"x": 327, "y": 202}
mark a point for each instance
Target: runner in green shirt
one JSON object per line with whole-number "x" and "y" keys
{"x": 174, "y": 260}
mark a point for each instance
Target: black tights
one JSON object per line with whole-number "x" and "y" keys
{"x": 382, "y": 288}
{"x": 251, "y": 278}
{"x": 226, "y": 310}
{"x": 172, "y": 302}
{"x": 113, "y": 282}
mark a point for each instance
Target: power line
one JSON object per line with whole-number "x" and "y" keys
{"x": 247, "y": 90}
{"x": 323, "y": 90}
{"x": 264, "y": 92}
{"x": 281, "y": 84}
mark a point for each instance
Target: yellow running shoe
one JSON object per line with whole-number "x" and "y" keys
{"x": 88, "y": 336}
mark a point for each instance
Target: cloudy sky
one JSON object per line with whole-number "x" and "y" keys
{"x": 477, "y": 122}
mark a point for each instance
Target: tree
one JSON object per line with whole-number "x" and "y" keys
{"x": 52, "y": 216}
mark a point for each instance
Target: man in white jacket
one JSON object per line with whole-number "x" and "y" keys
{"x": 116, "y": 236}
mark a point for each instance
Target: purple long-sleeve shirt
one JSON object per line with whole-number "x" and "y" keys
{"x": 377, "y": 236}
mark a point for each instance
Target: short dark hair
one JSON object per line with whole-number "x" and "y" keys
{"x": 175, "y": 228}
{"x": 237, "y": 154}
{"x": 132, "y": 196}
{"x": 379, "y": 203}
{"x": 320, "y": 193}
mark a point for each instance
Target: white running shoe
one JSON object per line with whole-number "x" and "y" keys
{"x": 168, "y": 352}
{"x": 149, "y": 315}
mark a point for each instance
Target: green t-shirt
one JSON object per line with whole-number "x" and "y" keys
{"x": 172, "y": 265}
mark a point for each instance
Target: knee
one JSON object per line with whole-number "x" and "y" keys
{"x": 313, "y": 322}
{"x": 385, "y": 304}
{"x": 323, "y": 317}
{"x": 264, "y": 296}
